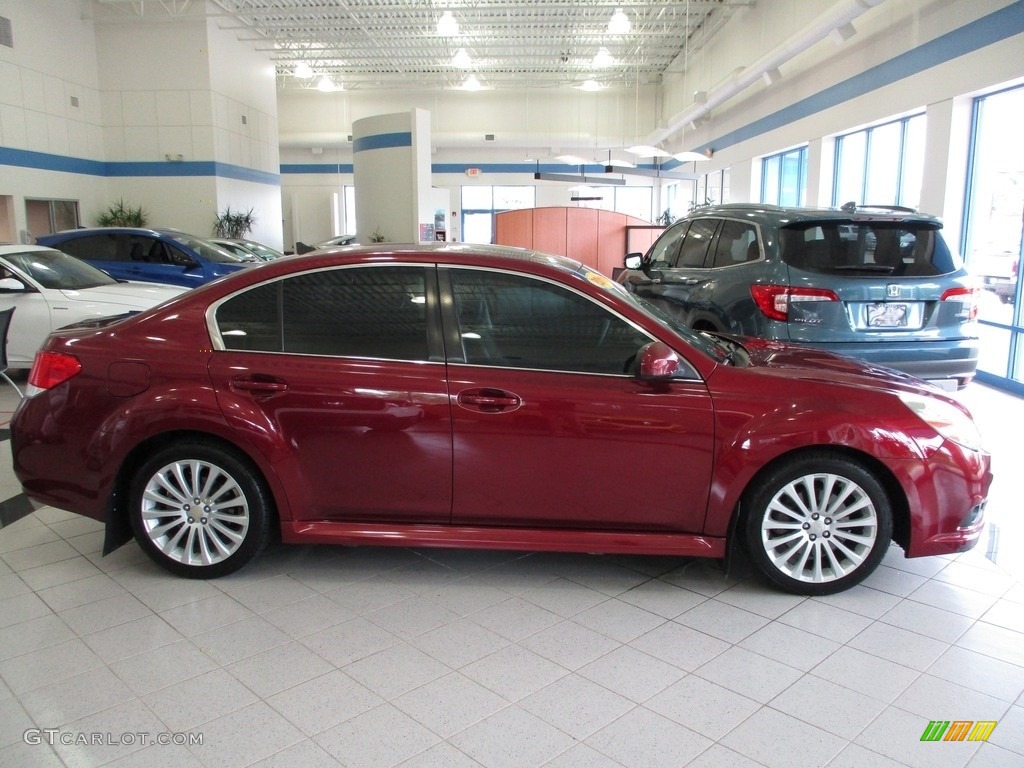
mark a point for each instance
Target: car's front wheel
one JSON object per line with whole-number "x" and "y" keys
{"x": 818, "y": 524}
{"x": 200, "y": 510}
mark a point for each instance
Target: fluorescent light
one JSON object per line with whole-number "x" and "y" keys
{"x": 325, "y": 84}
{"x": 572, "y": 159}
{"x": 590, "y": 85}
{"x": 447, "y": 26}
{"x": 603, "y": 58}
{"x": 303, "y": 70}
{"x": 645, "y": 150}
{"x": 620, "y": 163}
{"x": 619, "y": 23}
{"x": 461, "y": 59}
{"x": 690, "y": 157}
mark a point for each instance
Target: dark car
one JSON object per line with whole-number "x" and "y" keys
{"x": 473, "y": 396}
{"x": 878, "y": 284}
{"x": 149, "y": 255}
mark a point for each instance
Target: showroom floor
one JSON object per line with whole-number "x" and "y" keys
{"x": 316, "y": 656}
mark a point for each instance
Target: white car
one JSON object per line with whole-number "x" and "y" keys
{"x": 49, "y": 289}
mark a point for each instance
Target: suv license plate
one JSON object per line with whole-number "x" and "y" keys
{"x": 887, "y": 315}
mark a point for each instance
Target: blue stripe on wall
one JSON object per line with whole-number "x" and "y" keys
{"x": 24, "y": 158}
{"x": 316, "y": 168}
{"x": 382, "y": 141}
{"x": 988, "y": 30}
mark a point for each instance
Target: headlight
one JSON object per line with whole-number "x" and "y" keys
{"x": 945, "y": 418}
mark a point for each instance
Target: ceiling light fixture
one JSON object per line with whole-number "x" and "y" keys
{"x": 590, "y": 85}
{"x": 472, "y": 84}
{"x": 690, "y": 157}
{"x": 603, "y": 58}
{"x": 447, "y": 26}
{"x": 572, "y": 159}
{"x": 326, "y": 85}
{"x": 644, "y": 150}
{"x": 619, "y": 23}
{"x": 303, "y": 71}
{"x": 461, "y": 59}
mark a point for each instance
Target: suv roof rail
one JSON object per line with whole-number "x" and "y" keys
{"x": 852, "y": 207}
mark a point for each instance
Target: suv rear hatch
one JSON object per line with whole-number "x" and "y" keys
{"x": 862, "y": 279}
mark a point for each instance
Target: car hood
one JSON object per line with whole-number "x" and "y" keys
{"x": 129, "y": 295}
{"x": 812, "y": 364}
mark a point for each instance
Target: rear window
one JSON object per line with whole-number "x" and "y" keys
{"x": 868, "y": 248}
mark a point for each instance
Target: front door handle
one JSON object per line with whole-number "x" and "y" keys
{"x": 489, "y": 400}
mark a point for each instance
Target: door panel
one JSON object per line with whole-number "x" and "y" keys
{"x": 364, "y": 440}
{"x": 581, "y": 451}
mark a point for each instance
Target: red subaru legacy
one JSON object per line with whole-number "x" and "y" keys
{"x": 465, "y": 396}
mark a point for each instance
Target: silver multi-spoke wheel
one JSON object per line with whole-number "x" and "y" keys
{"x": 818, "y": 524}
{"x": 819, "y": 528}
{"x": 200, "y": 510}
{"x": 195, "y": 512}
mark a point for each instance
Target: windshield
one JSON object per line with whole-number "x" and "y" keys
{"x": 706, "y": 344}
{"x": 57, "y": 270}
{"x": 210, "y": 251}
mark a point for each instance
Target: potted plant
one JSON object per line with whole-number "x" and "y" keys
{"x": 234, "y": 224}
{"x": 120, "y": 214}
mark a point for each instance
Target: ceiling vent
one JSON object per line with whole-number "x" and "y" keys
{"x": 6, "y": 33}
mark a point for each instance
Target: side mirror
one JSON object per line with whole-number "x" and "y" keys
{"x": 658, "y": 361}
{"x": 12, "y": 285}
{"x": 633, "y": 260}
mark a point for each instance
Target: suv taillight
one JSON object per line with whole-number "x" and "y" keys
{"x": 968, "y": 296}
{"x": 774, "y": 300}
{"x": 52, "y": 368}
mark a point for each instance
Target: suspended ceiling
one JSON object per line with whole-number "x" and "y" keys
{"x": 395, "y": 44}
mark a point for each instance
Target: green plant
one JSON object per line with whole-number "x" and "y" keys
{"x": 377, "y": 236}
{"x": 233, "y": 224}
{"x": 120, "y": 214}
{"x": 708, "y": 201}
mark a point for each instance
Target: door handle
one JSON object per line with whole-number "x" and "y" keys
{"x": 489, "y": 400}
{"x": 259, "y": 384}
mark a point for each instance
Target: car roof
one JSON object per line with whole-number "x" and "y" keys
{"x": 6, "y": 248}
{"x": 783, "y": 215}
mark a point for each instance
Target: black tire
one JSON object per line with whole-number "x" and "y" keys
{"x": 200, "y": 510}
{"x": 817, "y": 524}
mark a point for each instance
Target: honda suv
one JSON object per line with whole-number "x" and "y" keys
{"x": 880, "y": 284}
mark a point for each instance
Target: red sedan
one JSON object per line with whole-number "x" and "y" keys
{"x": 464, "y": 396}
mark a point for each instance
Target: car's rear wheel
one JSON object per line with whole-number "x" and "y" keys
{"x": 200, "y": 510}
{"x": 818, "y": 524}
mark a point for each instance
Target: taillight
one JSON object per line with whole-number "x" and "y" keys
{"x": 52, "y": 368}
{"x": 967, "y": 296}
{"x": 774, "y": 300}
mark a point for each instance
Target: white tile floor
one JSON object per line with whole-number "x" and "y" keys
{"x": 314, "y": 656}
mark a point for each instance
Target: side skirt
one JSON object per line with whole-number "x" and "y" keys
{"x": 527, "y": 539}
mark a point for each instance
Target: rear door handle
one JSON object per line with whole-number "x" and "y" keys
{"x": 259, "y": 384}
{"x": 489, "y": 400}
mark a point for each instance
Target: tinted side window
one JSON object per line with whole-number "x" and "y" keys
{"x": 522, "y": 322}
{"x": 251, "y": 320}
{"x": 736, "y": 244}
{"x": 663, "y": 252}
{"x": 377, "y": 312}
{"x": 357, "y": 312}
{"x": 695, "y": 246}
{"x": 92, "y": 248}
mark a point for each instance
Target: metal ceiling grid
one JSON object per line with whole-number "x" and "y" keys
{"x": 395, "y": 44}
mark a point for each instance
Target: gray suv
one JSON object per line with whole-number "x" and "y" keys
{"x": 877, "y": 283}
